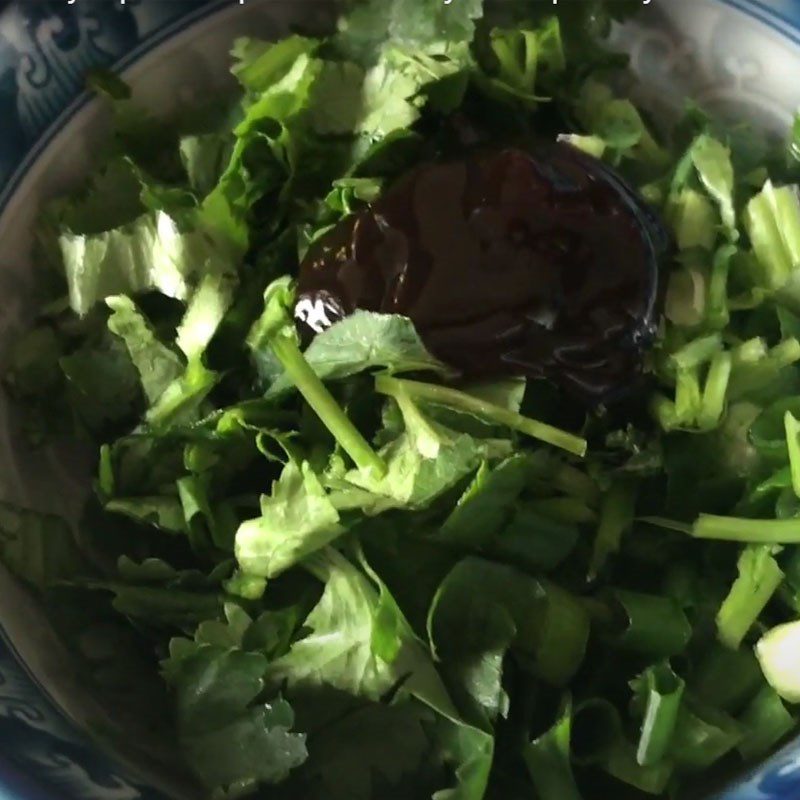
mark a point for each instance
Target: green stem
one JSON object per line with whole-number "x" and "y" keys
{"x": 453, "y": 398}
{"x": 759, "y": 578}
{"x": 756, "y": 531}
{"x": 325, "y": 406}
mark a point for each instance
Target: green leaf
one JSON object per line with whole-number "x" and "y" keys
{"x": 407, "y": 22}
{"x": 162, "y": 511}
{"x": 228, "y": 737}
{"x": 102, "y": 383}
{"x": 552, "y": 628}
{"x": 206, "y": 310}
{"x": 158, "y": 366}
{"x": 297, "y": 519}
{"x": 338, "y": 649}
{"x": 370, "y": 744}
{"x": 361, "y": 342}
{"x": 149, "y": 253}
{"x": 470, "y": 635}
{"x": 182, "y": 401}
{"x": 421, "y": 464}
{"x": 471, "y": 751}
{"x": 772, "y": 220}
{"x": 38, "y": 548}
{"x": 485, "y": 507}
{"x": 204, "y": 159}
{"x": 348, "y": 100}
{"x": 259, "y": 65}
{"x": 161, "y": 606}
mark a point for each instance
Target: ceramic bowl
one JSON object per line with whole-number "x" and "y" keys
{"x": 735, "y": 57}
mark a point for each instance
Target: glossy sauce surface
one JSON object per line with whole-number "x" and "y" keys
{"x": 538, "y": 262}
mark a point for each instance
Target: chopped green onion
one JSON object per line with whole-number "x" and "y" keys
{"x": 766, "y": 721}
{"x": 698, "y": 352}
{"x": 751, "y": 377}
{"x": 688, "y": 400}
{"x": 452, "y": 398}
{"x": 548, "y": 760}
{"x": 712, "y": 405}
{"x": 686, "y": 302}
{"x": 622, "y": 765}
{"x": 772, "y": 219}
{"x": 717, "y": 311}
{"x": 649, "y": 624}
{"x": 596, "y": 726}
{"x": 702, "y": 736}
{"x": 727, "y": 679}
{"x": 694, "y": 219}
{"x": 575, "y": 483}
{"x": 759, "y": 578}
{"x": 664, "y": 412}
{"x": 663, "y": 691}
{"x": 749, "y": 352}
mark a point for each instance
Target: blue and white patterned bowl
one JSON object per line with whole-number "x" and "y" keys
{"x": 737, "y": 57}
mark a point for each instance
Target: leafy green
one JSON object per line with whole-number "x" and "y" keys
{"x": 375, "y": 576}
{"x": 230, "y": 738}
{"x": 158, "y": 366}
{"x": 38, "y": 548}
{"x": 296, "y": 519}
{"x": 150, "y": 253}
{"x": 361, "y": 342}
{"x": 338, "y": 650}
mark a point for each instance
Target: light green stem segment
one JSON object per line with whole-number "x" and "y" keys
{"x": 755, "y": 531}
{"x": 453, "y": 398}
{"x": 325, "y": 406}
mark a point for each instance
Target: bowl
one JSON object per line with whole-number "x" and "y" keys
{"x": 57, "y": 742}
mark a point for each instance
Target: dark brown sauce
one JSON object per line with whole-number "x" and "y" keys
{"x": 538, "y": 262}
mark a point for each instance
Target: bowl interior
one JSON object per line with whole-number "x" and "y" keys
{"x": 726, "y": 58}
